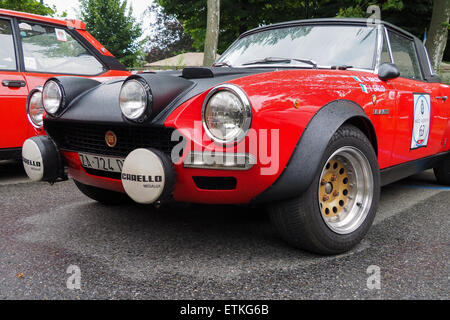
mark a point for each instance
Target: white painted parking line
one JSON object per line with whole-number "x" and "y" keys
{"x": 12, "y": 181}
{"x": 397, "y": 198}
{"x": 440, "y": 188}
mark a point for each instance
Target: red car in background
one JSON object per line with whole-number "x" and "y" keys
{"x": 32, "y": 49}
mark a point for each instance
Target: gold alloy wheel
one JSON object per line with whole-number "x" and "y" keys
{"x": 334, "y": 188}
{"x": 345, "y": 191}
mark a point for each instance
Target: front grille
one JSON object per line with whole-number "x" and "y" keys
{"x": 90, "y": 138}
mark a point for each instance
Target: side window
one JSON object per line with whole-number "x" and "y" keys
{"x": 7, "y": 52}
{"x": 405, "y": 56}
{"x": 54, "y": 50}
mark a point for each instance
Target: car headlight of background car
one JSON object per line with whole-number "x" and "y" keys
{"x": 35, "y": 109}
{"x": 226, "y": 114}
{"x": 52, "y": 97}
{"x": 134, "y": 99}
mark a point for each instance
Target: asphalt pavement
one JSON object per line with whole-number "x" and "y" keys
{"x": 210, "y": 252}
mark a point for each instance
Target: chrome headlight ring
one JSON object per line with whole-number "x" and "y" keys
{"x": 53, "y": 97}
{"x": 135, "y": 99}
{"x": 246, "y": 113}
{"x": 34, "y": 108}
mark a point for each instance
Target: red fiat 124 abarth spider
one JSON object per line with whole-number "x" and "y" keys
{"x": 32, "y": 49}
{"x": 309, "y": 117}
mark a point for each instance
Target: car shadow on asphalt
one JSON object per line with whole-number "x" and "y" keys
{"x": 205, "y": 230}
{"x": 197, "y": 230}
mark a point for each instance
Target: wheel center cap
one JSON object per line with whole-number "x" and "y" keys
{"x": 329, "y": 188}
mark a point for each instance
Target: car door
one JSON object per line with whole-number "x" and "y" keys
{"x": 419, "y": 122}
{"x": 13, "y": 91}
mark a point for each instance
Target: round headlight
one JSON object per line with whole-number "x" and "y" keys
{"x": 133, "y": 99}
{"x": 227, "y": 114}
{"x": 35, "y": 109}
{"x": 52, "y": 97}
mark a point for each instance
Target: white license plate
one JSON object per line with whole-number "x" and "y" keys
{"x": 108, "y": 164}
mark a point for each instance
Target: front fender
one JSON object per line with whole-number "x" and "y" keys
{"x": 306, "y": 157}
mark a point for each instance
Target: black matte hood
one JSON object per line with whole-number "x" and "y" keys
{"x": 169, "y": 90}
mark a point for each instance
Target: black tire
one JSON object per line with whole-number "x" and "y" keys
{"x": 442, "y": 172}
{"x": 103, "y": 196}
{"x": 299, "y": 221}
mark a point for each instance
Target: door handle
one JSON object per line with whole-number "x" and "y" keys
{"x": 444, "y": 98}
{"x": 14, "y": 83}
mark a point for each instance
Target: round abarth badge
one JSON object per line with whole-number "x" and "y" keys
{"x": 111, "y": 139}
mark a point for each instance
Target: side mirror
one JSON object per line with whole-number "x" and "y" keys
{"x": 388, "y": 71}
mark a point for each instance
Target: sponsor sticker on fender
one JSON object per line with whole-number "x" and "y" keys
{"x": 143, "y": 176}
{"x": 421, "y": 120}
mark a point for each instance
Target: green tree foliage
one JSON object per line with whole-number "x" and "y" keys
{"x": 168, "y": 38}
{"x": 412, "y": 15}
{"x": 30, "y": 6}
{"x": 111, "y": 22}
{"x": 238, "y": 16}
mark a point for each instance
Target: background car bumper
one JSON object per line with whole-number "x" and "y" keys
{"x": 11, "y": 154}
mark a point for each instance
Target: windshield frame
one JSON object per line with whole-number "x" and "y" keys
{"x": 377, "y": 54}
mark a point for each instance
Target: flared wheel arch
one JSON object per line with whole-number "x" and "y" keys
{"x": 304, "y": 161}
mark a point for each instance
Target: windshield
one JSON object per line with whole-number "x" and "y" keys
{"x": 325, "y": 45}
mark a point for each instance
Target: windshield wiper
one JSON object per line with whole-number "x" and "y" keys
{"x": 342, "y": 67}
{"x": 222, "y": 64}
{"x": 281, "y": 60}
